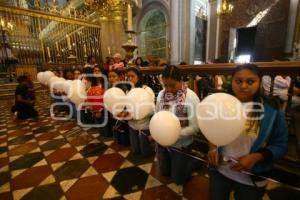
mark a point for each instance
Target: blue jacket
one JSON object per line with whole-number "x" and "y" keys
{"x": 272, "y": 138}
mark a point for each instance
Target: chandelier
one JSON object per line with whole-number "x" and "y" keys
{"x": 224, "y": 8}
{"x": 108, "y": 8}
{"x": 111, "y": 8}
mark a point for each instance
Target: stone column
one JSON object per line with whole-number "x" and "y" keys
{"x": 186, "y": 31}
{"x": 291, "y": 26}
{"x": 113, "y": 36}
{"x": 212, "y": 45}
{"x": 176, "y": 31}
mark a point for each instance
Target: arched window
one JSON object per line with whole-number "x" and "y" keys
{"x": 153, "y": 35}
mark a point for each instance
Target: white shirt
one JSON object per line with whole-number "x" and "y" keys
{"x": 186, "y": 133}
{"x": 236, "y": 149}
{"x": 281, "y": 86}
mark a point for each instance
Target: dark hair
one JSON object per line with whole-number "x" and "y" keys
{"x": 139, "y": 74}
{"x": 110, "y": 59}
{"x": 172, "y": 72}
{"x": 77, "y": 69}
{"x": 101, "y": 68}
{"x": 103, "y": 74}
{"x": 65, "y": 73}
{"x": 258, "y": 96}
{"x": 118, "y": 72}
{"x": 88, "y": 70}
{"x": 22, "y": 78}
{"x": 141, "y": 59}
{"x": 93, "y": 80}
{"x": 252, "y": 67}
{"x": 89, "y": 58}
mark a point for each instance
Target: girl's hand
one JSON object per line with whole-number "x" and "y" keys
{"x": 123, "y": 115}
{"x": 247, "y": 162}
{"x": 89, "y": 108}
{"x": 98, "y": 114}
{"x": 119, "y": 115}
{"x": 213, "y": 155}
{"x": 150, "y": 138}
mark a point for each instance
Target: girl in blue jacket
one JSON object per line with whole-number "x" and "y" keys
{"x": 255, "y": 150}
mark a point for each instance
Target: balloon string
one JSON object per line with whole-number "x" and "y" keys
{"x": 206, "y": 162}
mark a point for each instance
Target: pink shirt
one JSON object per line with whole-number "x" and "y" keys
{"x": 119, "y": 65}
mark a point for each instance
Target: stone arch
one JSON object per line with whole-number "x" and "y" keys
{"x": 153, "y": 10}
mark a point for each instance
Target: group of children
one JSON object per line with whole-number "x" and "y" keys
{"x": 255, "y": 150}
{"x": 263, "y": 141}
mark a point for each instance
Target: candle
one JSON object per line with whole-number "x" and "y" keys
{"x": 2, "y": 23}
{"x": 69, "y": 42}
{"x": 108, "y": 48}
{"x": 48, "y": 50}
{"x": 57, "y": 48}
{"x": 84, "y": 49}
{"x": 129, "y": 18}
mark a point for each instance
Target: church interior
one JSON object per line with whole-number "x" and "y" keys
{"x": 66, "y": 134}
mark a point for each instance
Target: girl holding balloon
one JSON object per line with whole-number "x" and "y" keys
{"x": 139, "y": 119}
{"x": 263, "y": 141}
{"x": 182, "y": 102}
{"x": 94, "y": 96}
{"x": 119, "y": 128}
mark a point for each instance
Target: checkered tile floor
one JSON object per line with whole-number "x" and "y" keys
{"x": 48, "y": 159}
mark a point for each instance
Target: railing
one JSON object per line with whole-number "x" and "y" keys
{"x": 289, "y": 166}
{"x": 271, "y": 69}
{"x": 267, "y": 68}
{"x": 62, "y": 66}
{"x": 39, "y": 37}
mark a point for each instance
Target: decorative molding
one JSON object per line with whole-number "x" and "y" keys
{"x": 43, "y": 15}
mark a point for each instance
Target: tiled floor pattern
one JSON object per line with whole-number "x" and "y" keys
{"x": 48, "y": 159}
{"x": 56, "y": 160}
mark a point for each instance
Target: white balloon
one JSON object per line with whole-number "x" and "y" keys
{"x": 78, "y": 83}
{"x": 221, "y": 118}
{"x": 60, "y": 85}
{"x": 150, "y": 91}
{"x": 114, "y": 100}
{"x": 165, "y": 128}
{"x": 77, "y": 93}
{"x": 67, "y": 86}
{"x": 140, "y": 103}
{"x": 53, "y": 83}
{"x": 40, "y": 77}
{"x": 47, "y": 76}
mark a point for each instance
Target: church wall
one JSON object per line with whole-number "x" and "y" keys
{"x": 269, "y": 41}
